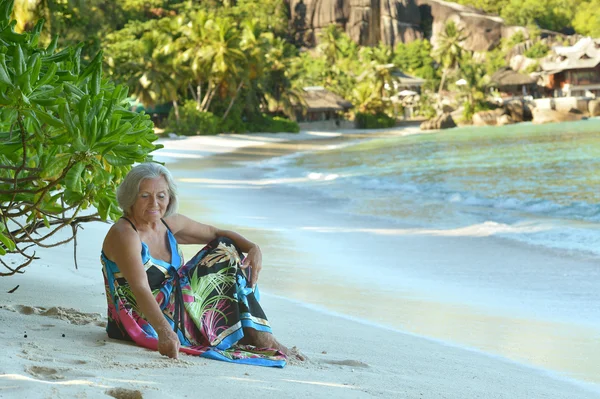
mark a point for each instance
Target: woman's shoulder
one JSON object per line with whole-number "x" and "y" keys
{"x": 176, "y": 222}
{"x": 122, "y": 226}
{"x": 121, "y": 234}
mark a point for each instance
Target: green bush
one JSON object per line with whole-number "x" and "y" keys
{"x": 268, "y": 124}
{"x": 192, "y": 122}
{"x": 471, "y": 109}
{"x": 516, "y": 38}
{"x": 538, "y": 50}
{"x": 373, "y": 121}
{"x": 233, "y": 123}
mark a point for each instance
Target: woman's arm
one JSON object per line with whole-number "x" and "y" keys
{"x": 124, "y": 247}
{"x": 188, "y": 231}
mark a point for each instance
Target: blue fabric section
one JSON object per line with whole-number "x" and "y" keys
{"x": 175, "y": 258}
{"x": 146, "y": 256}
{"x": 211, "y": 354}
{"x": 230, "y": 340}
{"x": 110, "y": 276}
{"x": 150, "y": 332}
{"x": 166, "y": 289}
{"x": 248, "y": 323}
{"x": 182, "y": 339}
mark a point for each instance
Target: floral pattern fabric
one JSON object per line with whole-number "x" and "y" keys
{"x": 206, "y": 301}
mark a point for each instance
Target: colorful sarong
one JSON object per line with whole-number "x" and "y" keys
{"x": 206, "y": 302}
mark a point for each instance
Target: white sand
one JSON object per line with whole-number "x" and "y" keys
{"x": 347, "y": 358}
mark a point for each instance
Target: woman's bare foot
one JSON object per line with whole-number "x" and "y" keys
{"x": 262, "y": 339}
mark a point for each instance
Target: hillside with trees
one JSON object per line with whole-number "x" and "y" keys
{"x": 237, "y": 66}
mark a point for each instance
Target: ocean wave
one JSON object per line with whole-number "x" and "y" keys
{"x": 570, "y": 239}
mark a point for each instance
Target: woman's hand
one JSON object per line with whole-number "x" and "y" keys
{"x": 168, "y": 343}
{"x": 253, "y": 260}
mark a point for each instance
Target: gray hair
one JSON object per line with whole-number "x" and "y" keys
{"x": 130, "y": 186}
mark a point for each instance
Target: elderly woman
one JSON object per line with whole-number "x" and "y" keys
{"x": 207, "y": 306}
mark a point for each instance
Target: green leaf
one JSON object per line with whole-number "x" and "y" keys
{"x": 117, "y": 160}
{"x": 56, "y": 168}
{"x": 72, "y": 197}
{"x": 7, "y": 242}
{"x": 51, "y": 208}
{"x": 47, "y": 78}
{"x": 104, "y": 207}
{"x": 52, "y": 46}
{"x": 73, "y": 177}
{"x": 19, "y": 60}
{"x": 48, "y": 118}
{"x": 78, "y": 145}
{"x": 94, "y": 64}
{"x": 4, "y": 76}
{"x": 6, "y": 149}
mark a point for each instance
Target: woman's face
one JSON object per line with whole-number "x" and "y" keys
{"x": 152, "y": 200}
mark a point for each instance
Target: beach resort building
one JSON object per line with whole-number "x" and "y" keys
{"x": 405, "y": 92}
{"x": 323, "y": 107}
{"x": 573, "y": 71}
{"x": 511, "y": 84}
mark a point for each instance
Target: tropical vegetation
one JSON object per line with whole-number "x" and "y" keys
{"x": 67, "y": 137}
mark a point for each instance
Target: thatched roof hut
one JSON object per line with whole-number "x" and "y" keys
{"x": 508, "y": 77}
{"x": 321, "y": 105}
{"x": 318, "y": 98}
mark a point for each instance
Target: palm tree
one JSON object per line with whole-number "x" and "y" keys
{"x": 330, "y": 43}
{"x": 476, "y": 79}
{"x": 365, "y": 99}
{"x": 449, "y": 49}
{"x": 254, "y": 44}
{"x": 227, "y": 60}
{"x": 377, "y": 64}
{"x": 283, "y": 83}
{"x": 151, "y": 78}
{"x": 194, "y": 39}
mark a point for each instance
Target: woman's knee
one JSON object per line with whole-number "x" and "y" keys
{"x": 222, "y": 240}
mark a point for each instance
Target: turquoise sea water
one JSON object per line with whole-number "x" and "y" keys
{"x": 538, "y": 184}
{"x": 531, "y": 287}
{"x": 482, "y": 237}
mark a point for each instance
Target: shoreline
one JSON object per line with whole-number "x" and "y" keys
{"x": 531, "y": 322}
{"x": 348, "y": 357}
{"x": 592, "y": 387}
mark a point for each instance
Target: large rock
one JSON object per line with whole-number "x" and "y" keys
{"x": 594, "y": 107}
{"x": 443, "y": 121}
{"x": 368, "y": 22}
{"x": 513, "y": 112}
{"x": 400, "y": 21}
{"x": 487, "y": 118}
{"x": 520, "y": 63}
{"x": 505, "y": 120}
{"x": 518, "y": 111}
{"x": 483, "y": 31}
{"x": 552, "y": 116}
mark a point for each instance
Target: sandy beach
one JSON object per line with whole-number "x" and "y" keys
{"x": 390, "y": 333}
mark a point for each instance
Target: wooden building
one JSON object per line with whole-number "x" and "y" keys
{"x": 322, "y": 105}
{"x": 573, "y": 70}
{"x": 511, "y": 83}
